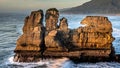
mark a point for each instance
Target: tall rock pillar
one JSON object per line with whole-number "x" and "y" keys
{"x": 51, "y": 17}
{"x": 29, "y": 43}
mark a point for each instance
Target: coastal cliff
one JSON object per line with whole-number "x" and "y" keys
{"x": 93, "y": 41}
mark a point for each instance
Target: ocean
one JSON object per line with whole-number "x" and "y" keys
{"x": 11, "y": 28}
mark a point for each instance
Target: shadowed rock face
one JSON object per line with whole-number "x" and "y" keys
{"x": 93, "y": 40}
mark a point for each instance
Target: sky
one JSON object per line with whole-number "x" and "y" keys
{"x": 29, "y": 5}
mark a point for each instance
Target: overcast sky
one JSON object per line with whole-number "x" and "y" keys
{"x": 29, "y": 5}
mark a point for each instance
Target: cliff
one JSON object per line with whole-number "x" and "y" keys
{"x": 94, "y": 41}
{"x": 96, "y": 7}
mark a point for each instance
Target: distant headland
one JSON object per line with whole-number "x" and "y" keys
{"x": 96, "y": 7}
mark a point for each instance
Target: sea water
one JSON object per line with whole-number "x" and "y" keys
{"x": 11, "y": 28}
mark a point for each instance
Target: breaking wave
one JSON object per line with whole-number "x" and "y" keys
{"x": 116, "y": 32}
{"x": 61, "y": 63}
{"x": 46, "y": 63}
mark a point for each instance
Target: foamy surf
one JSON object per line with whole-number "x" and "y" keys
{"x": 61, "y": 63}
{"x": 116, "y": 32}
{"x": 70, "y": 64}
{"x": 48, "y": 63}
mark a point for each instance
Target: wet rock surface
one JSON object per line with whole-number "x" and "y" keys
{"x": 91, "y": 41}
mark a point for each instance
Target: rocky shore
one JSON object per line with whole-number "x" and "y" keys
{"x": 93, "y": 42}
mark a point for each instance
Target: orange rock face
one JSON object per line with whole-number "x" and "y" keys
{"x": 32, "y": 37}
{"x": 33, "y": 31}
{"x": 51, "y": 17}
{"x": 97, "y": 24}
{"x": 63, "y": 24}
{"x": 96, "y": 34}
{"x": 93, "y": 40}
{"x": 96, "y": 37}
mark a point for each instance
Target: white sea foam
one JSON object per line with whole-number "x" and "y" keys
{"x": 64, "y": 63}
{"x": 27, "y": 65}
{"x": 19, "y": 28}
{"x": 83, "y": 25}
{"x": 70, "y": 64}
{"x": 116, "y": 32}
{"x": 50, "y": 63}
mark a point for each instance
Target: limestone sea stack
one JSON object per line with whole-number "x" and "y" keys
{"x": 91, "y": 42}
{"x": 29, "y": 43}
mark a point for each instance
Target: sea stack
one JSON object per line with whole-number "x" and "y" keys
{"x": 91, "y": 42}
{"x": 29, "y": 43}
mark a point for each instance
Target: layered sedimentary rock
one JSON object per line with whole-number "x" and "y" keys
{"x": 51, "y": 19}
{"x": 56, "y": 39}
{"x": 29, "y": 43}
{"x": 94, "y": 40}
{"x": 63, "y": 24}
{"x": 96, "y": 34}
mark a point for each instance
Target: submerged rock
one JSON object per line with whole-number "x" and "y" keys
{"x": 93, "y": 40}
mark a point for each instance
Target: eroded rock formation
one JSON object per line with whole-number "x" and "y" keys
{"x": 97, "y": 33}
{"x": 91, "y": 41}
{"x": 29, "y": 43}
{"x": 51, "y": 19}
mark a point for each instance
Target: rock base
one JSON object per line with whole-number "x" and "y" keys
{"x": 27, "y": 56}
